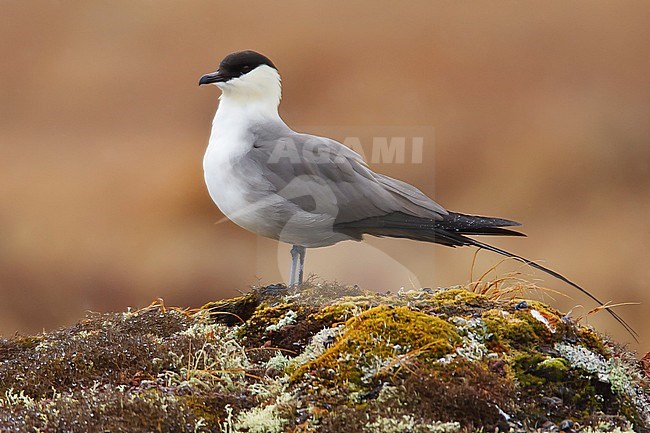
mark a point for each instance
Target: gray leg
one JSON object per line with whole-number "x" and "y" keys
{"x": 297, "y": 264}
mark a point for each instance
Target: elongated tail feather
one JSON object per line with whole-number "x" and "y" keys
{"x": 557, "y": 275}
{"x": 451, "y": 231}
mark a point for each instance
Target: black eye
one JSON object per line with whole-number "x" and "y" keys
{"x": 246, "y": 68}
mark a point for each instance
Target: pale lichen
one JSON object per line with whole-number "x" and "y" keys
{"x": 474, "y": 333}
{"x": 319, "y": 342}
{"x": 409, "y": 424}
{"x": 288, "y": 319}
{"x": 623, "y": 381}
{"x": 584, "y": 359}
{"x": 264, "y": 419}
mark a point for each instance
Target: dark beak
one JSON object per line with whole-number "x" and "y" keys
{"x": 213, "y": 77}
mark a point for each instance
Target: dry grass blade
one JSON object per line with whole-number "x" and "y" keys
{"x": 228, "y": 313}
{"x": 255, "y": 349}
{"x": 604, "y": 307}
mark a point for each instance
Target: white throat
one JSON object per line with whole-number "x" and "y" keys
{"x": 257, "y": 91}
{"x": 249, "y": 100}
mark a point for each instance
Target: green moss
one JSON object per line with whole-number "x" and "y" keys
{"x": 508, "y": 331}
{"x": 525, "y": 366}
{"x": 533, "y": 369}
{"x": 521, "y": 329}
{"x": 338, "y": 313}
{"x": 591, "y": 340}
{"x": 552, "y": 369}
{"x": 233, "y": 311}
{"x": 454, "y": 302}
{"x": 262, "y": 318}
{"x": 455, "y": 297}
{"x": 374, "y": 342}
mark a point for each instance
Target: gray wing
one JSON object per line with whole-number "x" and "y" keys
{"x": 318, "y": 174}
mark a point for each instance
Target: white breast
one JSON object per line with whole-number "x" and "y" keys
{"x": 233, "y": 192}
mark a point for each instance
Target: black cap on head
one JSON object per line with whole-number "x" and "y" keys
{"x": 235, "y": 65}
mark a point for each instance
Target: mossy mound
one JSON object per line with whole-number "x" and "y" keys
{"x": 324, "y": 358}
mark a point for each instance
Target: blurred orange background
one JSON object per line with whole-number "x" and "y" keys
{"x": 535, "y": 112}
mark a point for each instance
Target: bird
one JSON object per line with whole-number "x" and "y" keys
{"x": 310, "y": 191}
